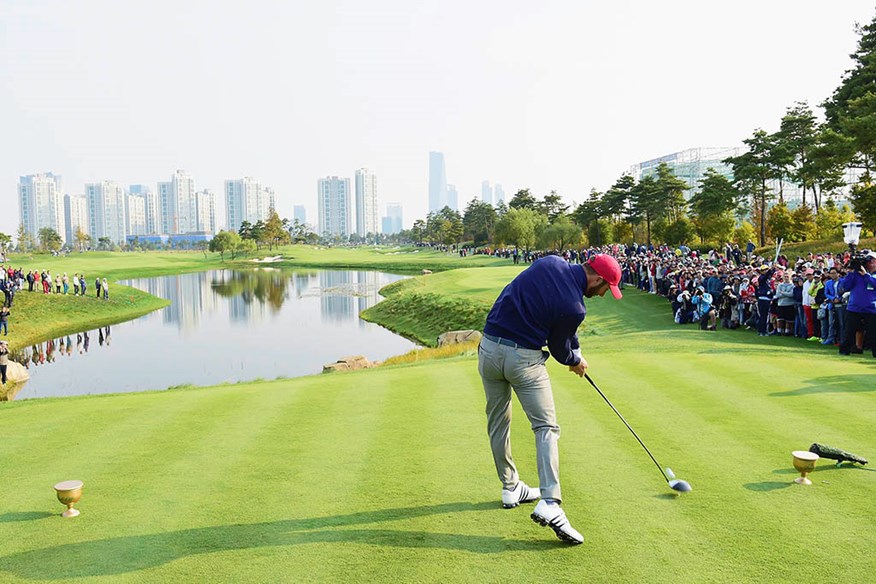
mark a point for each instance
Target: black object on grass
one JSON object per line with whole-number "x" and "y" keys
{"x": 674, "y": 483}
{"x": 840, "y": 456}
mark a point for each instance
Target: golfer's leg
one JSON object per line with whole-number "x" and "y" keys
{"x": 533, "y": 387}
{"x": 498, "y": 393}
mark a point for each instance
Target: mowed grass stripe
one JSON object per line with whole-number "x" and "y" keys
{"x": 91, "y": 435}
{"x": 617, "y": 496}
{"x": 652, "y": 403}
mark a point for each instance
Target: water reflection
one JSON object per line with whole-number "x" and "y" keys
{"x": 48, "y": 351}
{"x": 221, "y": 326}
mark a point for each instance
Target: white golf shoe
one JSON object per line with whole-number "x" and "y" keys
{"x": 522, "y": 493}
{"x": 554, "y": 517}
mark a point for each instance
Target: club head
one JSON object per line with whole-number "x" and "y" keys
{"x": 680, "y": 486}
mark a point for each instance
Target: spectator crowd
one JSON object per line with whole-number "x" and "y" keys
{"x": 14, "y": 280}
{"x": 827, "y": 298}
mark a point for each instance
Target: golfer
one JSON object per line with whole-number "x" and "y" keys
{"x": 542, "y": 305}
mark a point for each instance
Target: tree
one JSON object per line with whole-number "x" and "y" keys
{"x": 752, "y": 172}
{"x": 224, "y": 241}
{"x": 617, "y": 200}
{"x": 82, "y": 238}
{"x": 647, "y": 203}
{"x": 780, "y": 223}
{"x": 25, "y": 239}
{"x": 478, "y": 221}
{"x": 520, "y": 227}
{"x": 301, "y": 232}
{"x": 274, "y": 231}
{"x": 5, "y": 242}
{"x": 243, "y": 247}
{"x": 796, "y": 140}
{"x": 418, "y": 231}
{"x": 552, "y": 206}
{"x": 523, "y": 199}
{"x": 444, "y": 226}
{"x": 829, "y": 220}
{"x": 858, "y": 124}
{"x": 856, "y": 81}
{"x": 712, "y": 208}
{"x": 802, "y": 223}
{"x": 560, "y": 234}
{"x": 863, "y": 197}
{"x": 587, "y": 216}
{"x": 50, "y": 240}
{"x": 670, "y": 193}
{"x": 257, "y": 235}
{"x": 679, "y": 231}
{"x": 744, "y": 233}
{"x": 826, "y": 166}
{"x": 245, "y": 230}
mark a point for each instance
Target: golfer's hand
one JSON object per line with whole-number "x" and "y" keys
{"x": 580, "y": 369}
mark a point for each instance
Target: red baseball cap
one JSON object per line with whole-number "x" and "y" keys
{"x": 609, "y": 270}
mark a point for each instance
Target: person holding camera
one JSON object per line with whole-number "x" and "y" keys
{"x": 861, "y": 309}
{"x": 764, "y": 293}
{"x": 705, "y": 313}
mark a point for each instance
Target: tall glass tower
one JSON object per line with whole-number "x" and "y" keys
{"x": 437, "y": 182}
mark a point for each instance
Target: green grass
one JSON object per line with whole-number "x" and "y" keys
{"x": 385, "y": 475}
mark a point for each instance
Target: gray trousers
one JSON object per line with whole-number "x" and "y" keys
{"x": 502, "y": 369}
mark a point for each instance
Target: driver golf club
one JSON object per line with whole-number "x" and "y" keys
{"x": 674, "y": 483}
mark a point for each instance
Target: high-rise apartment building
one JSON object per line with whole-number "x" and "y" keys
{"x": 437, "y": 182}
{"x": 247, "y": 199}
{"x": 299, "y": 213}
{"x": 177, "y": 204}
{"x": 135, "y": 215}
{"x": 392, "y": 222}
{"x": 41, "y": 203}
{"x": 498, "y": 194}
{"x": 334, "y": 206}
{"x": 106, "y": 211}
{"x": 486, "y": 192}
{"x": 367, "y": 218}
{"x": 205, "y": 211}
{"x": 153, "y": 208}
{"x": 452, "y": 198}
{"x": 75, "y": 217}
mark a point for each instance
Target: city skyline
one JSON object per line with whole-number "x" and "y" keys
{"x": 550, "y": 97}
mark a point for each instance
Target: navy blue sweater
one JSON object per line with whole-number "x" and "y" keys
{"x": 543, "y": 304}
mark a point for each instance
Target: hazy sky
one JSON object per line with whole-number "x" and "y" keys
{"x": 541, "y": 95}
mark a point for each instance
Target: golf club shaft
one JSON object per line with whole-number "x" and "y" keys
{"x": 587, "y": 377}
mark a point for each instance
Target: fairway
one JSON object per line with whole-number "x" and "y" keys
{"x": 386, "y": 475}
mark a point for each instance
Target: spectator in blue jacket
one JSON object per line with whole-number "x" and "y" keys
{"x": 830, "y": 296}
{"x": 861, "y": 310}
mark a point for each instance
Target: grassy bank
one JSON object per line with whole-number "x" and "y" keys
{"x": 385, "y": 474}
{"x": 36, "y": 316}
{"x": 422, "y": 308}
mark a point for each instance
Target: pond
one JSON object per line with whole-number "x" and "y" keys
{"x": 221, "y": 326}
